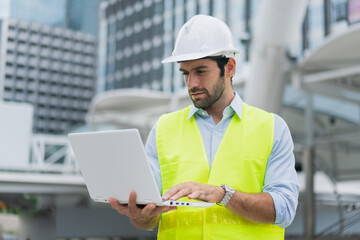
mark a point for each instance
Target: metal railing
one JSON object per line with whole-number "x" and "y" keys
{"x": 52, "y": 153}
{"x": 47, "y": 154}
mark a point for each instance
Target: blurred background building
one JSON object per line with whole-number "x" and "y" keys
{"x": 48, "y": 58}
{"x": 136, "y": 35}
{"x": 51, "y": 68}
{"x": 99, "y": 62}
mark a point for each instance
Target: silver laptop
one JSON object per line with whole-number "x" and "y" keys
{"x": 113, "y": 163}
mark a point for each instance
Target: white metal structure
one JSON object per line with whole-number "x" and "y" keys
{"x": 52, "y": 153}
{"x": 332, "y": 70}
{"x": 34, "y": 163}
{"x": 51, "y": 168}
{"x": 276, "y": 28}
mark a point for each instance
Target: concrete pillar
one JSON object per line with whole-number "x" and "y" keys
{"x": 276, "y": 27}
{"x": 309, "y": 219}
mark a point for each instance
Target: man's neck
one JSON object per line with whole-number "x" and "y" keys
{"x": 217, "y": 109}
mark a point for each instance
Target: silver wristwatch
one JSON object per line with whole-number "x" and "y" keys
{"x": 229, "y": 192}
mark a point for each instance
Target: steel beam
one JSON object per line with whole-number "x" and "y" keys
{"x": 330, "y": 75}
{"x": 308, "y": 161}
{"x": 41, "y": 183}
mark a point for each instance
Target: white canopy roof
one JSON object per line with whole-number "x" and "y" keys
{"x": 332, "y": 73}
{"x": 138, "y": 108}
{"x": 336, "y": 62}
{"x": 338, "y": 51}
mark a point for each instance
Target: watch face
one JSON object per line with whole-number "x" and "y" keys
{"x": 229, "y": 189}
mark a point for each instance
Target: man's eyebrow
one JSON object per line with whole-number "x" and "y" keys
{"x": 195, "y": 68}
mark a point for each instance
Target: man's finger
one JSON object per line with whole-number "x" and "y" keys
{"x": 182, "y": 193}
{"x": 146, "y": 211}
{"x": 162, "y": 209}
{"x": 173, "y": 190}
{"x": 133, "y": 209}
{"x": 113, "y": 202}
{"x": 122, "y": 209}
{"x": 194, "y": 195}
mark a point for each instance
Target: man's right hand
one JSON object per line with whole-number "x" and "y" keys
{"x": 143, "y": 218}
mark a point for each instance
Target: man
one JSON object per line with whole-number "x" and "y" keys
{"x": 218, "y": 150}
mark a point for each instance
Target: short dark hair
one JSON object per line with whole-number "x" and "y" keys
{"x": 221, "y": 62}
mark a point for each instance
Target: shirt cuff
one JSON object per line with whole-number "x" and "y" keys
{"x": 280, "y": 210}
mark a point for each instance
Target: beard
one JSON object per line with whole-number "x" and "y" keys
{"x": 210, "y": 97}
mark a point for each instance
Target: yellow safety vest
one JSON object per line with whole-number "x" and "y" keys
{"x": 240, "y": 162}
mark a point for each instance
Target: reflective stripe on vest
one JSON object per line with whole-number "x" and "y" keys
{"x": 240, "y": 162}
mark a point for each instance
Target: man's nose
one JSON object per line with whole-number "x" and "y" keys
{"x": 192, "y": 81}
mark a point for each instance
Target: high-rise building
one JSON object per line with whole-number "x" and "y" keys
{"x": 136, "y": 35}
{"x": 48, "y": 58}
{"x": 52, "y": 68}
{"x": 131, "y": 34}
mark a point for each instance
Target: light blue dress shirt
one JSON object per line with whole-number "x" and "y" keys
{"x": 280, "y": 177}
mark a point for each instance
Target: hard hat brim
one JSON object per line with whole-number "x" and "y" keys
{"x": 195, "y": 56}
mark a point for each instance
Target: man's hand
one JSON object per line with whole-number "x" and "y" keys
{"x": 144, "y": 218}
{"x": 193, "y": 190}
{"x": 255, "y": 207}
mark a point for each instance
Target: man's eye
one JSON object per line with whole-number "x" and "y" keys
{"x": 201, "y": 72}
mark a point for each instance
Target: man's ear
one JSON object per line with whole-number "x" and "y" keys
{"x": 230, "y": 68}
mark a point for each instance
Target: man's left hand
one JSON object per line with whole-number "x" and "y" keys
{"x": 193, "y": 190}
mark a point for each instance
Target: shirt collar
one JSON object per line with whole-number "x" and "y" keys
{"x": 236, "y": 105}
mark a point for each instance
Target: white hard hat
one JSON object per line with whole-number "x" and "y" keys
{"x": 202, "y": 36}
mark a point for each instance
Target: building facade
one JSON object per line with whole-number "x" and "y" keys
{"x": 131, "y": 46}
{"x": 134, "y": 36}
{"x": 52, "y": 68}
{"x": 48, "y": 58}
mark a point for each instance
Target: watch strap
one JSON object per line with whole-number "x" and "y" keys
{"x": 229, "y": 193}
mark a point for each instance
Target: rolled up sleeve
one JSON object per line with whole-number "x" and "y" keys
{"x": 281, "y": 180}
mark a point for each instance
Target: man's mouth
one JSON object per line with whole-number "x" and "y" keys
{"x": 197, "y": 94}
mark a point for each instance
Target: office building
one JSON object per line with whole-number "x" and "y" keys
{"x": 131, "y": 45}
{"x": 136, "y": 35}
{"x": 52, "y": 68}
